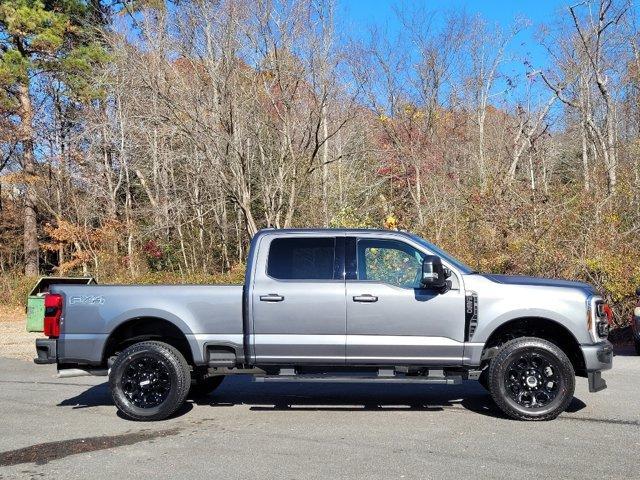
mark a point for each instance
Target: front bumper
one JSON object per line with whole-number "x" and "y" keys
{"x": 47, "y": 350}
{"x": 597, "y": 357}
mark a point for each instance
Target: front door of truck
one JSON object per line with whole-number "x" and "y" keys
{"x": 391, "y": 319}
{"x": 298, "y": 300}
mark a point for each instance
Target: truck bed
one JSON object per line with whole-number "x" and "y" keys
{"x": 204, "y": 313}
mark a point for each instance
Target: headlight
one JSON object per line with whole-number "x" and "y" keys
{"x": 599, "y": 319}
{"x": 603, "y": 329}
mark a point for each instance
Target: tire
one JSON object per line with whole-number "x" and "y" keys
{"x": 636, "y": 342}
{"x": 149, "y": 381}
{"x": 203, "y": 386}
{"x": 531, "y": 379}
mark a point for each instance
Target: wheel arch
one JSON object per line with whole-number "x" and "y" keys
{"x": 147, "y": 327}
{"x": 540, "y": 327}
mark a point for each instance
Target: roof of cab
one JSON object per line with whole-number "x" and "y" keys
{"x": 325, "y": 230}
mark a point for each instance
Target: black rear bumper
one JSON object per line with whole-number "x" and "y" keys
{"x": 47, "y": 350}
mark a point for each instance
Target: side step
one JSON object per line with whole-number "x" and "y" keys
{"x": 288, "y": 375}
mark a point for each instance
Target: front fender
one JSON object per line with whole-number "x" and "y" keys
{"x": 485, "y": 329}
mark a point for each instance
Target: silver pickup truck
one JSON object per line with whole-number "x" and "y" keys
{"x": 335, "y": 306}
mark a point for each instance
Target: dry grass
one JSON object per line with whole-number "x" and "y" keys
{"x": 15, "y": 341}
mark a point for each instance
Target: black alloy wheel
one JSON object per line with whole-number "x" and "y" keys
{"x": 146, "y": 381}
{"x": 149, "y": 380}
{"x": 531, "y": 379}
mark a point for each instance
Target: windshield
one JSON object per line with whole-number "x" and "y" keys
{"x": 465, "y": 269}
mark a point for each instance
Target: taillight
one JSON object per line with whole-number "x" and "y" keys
{"x": 52, "y": 314}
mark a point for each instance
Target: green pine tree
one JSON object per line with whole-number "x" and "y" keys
{"x": 56, "y": 37}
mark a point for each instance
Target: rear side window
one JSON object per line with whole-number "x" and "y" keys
{"x": 301, "y": 258}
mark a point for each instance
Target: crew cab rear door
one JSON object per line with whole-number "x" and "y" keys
{"x": 298, "y": 300}
{"x": 391, "y": 319}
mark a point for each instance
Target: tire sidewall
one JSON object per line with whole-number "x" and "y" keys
{"x": 502, "y": 361}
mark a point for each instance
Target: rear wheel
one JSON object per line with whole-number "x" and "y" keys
{"x": 637, "y": 344}
{"x": 531, "y": 379}
{"x": 149, "y": 381}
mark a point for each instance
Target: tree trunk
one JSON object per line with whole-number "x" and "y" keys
{"x": 612, "y": 156}
{"x": 585, "y": 155}
{"x": 325, "y": 167}
{"x": 30, "y": 239}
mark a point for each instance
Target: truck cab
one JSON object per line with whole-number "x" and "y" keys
{"x": 351, "y": 299}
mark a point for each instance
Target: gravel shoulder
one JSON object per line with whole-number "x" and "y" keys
{"x": 15, "y": 341}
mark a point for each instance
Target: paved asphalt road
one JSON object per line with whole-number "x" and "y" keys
{"x": 69, "y": 428}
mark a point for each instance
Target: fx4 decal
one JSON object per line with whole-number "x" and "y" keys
{"x": 87, "y": 300}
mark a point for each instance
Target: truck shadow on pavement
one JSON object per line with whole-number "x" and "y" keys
{"x": 241, "y": 390}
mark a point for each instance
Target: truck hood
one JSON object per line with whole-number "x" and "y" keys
{"x": 540, "y": 282}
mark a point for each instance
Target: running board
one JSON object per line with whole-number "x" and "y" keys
{"x": 82, "y": 372}
{"x": 324, "y": 378}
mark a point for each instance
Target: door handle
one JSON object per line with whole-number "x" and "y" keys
{"x": 272, "y": 297}
{"x": 365, "y": 298}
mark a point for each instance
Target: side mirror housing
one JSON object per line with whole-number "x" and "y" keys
{"x": 433, "y": 273}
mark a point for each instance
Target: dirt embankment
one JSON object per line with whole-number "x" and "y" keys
{"x": 15, "y": 341}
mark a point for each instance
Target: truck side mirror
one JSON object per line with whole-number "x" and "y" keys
{"x": 433, "y": 273}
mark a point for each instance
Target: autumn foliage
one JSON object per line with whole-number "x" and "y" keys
{"x": 206, "y": 121}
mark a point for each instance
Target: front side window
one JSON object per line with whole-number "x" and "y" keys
{"x": 301, "y": 258}
{"x": 389, "y": 261}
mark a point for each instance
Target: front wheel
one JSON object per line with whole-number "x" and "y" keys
{"x": 531, "y": 379}
{"x": 149, "y": 381}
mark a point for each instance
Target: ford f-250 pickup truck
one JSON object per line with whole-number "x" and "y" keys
{"x": 335, "y": 306}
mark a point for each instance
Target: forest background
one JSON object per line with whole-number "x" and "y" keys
{"x": 148, "y": 141}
